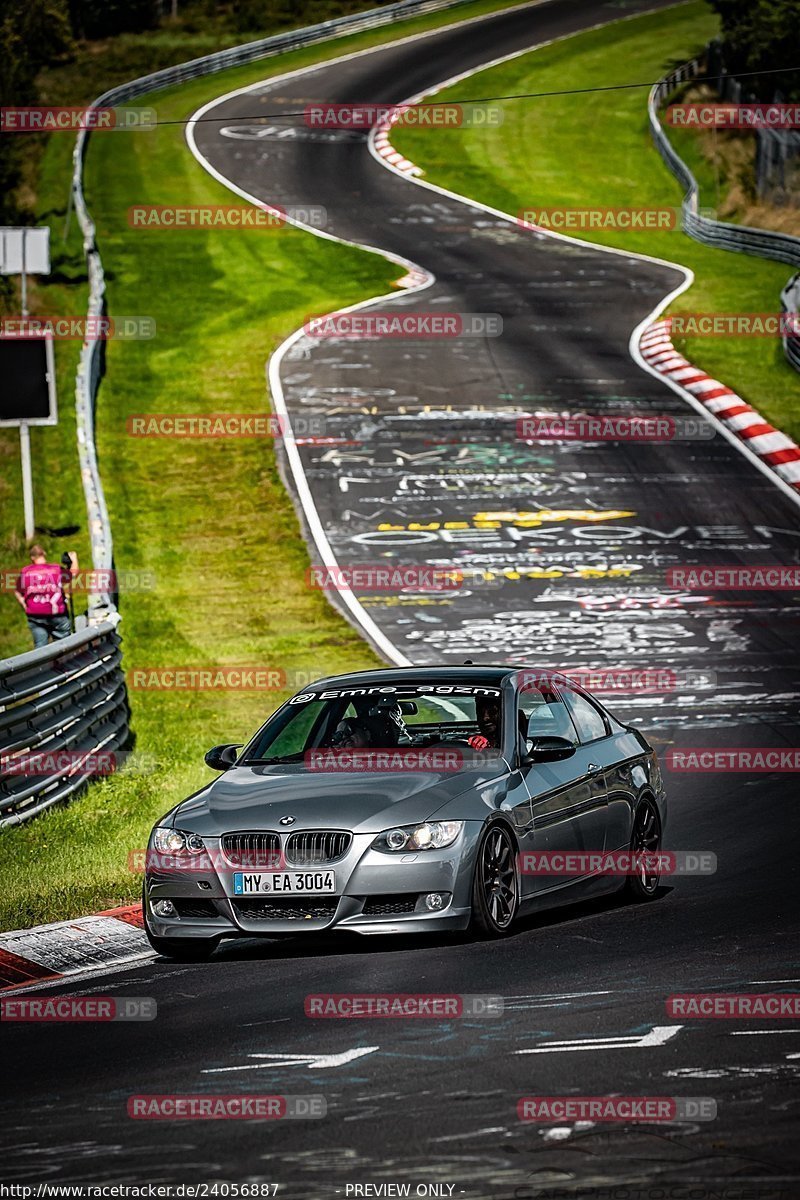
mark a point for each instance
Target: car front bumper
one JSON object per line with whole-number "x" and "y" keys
{"x": 376, "y": 893}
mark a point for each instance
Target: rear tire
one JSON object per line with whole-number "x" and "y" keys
{"x": 642, "y": 887}
{"x": 495, "y": 887}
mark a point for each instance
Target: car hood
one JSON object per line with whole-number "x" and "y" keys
{"x": 257, "y": 797}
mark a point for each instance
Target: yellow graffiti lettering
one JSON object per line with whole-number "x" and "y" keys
{"x": 549, "y": 515}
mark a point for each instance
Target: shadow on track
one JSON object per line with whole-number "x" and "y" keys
{"x": 346, "y": 943}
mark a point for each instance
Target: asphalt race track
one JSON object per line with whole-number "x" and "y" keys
{"x": 424, "y": 434}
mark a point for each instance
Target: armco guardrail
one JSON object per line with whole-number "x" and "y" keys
{"x": 67, "y": 697}
{"x": 742, "y": 238}
{"x": 90, "y": 368}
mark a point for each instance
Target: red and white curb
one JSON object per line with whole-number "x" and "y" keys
{"x": 773, "y": 447}
{"x": 414, "y": 279}
{"x": 385, "y": 149}
{"x": 51, "y": 952}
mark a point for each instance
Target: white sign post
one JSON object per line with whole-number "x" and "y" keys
{"x": 27, "y": 480}
{"x": 25, "y": 251}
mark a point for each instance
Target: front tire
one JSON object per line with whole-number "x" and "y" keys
{"x": 183, "y": 949}
{"x": 645, "y": 839}
{"x": 495, "y": 887}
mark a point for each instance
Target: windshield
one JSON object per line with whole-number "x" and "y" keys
{"x": 381, "y": 717}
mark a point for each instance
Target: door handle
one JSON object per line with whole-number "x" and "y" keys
{"x": 593, "y": 768}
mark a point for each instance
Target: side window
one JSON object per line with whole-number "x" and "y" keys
{"x": 588, "y": 720}
{"x": 543, "y": 714}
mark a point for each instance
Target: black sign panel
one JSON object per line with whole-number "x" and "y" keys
{"x": 25, "y": 391}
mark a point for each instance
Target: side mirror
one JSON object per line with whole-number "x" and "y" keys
{"x": 220, "y": 758}
{"x": 550, "y": 749}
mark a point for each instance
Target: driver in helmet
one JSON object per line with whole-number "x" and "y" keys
{"x": 377, "y": 726}
{"x": 385, "y": 721}
{"x": 350, "y": 734}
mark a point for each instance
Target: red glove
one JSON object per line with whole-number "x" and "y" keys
{"x": 478, "y": 741}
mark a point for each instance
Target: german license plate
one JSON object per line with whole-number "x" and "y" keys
{"x": 284, "y": 883}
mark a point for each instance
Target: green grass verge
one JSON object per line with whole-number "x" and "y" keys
{"x": 210, "y": 521}
{"x": 577, "y": 152}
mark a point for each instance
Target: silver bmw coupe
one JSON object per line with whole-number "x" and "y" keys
{"x": 409, "y": 800}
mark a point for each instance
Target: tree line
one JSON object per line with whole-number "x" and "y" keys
{"x": 762, "y": 36}
{"x": 758, "y": 36}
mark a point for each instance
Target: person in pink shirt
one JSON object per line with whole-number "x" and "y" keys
{"x": 41, "y": 592}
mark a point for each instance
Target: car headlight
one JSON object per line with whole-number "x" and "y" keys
{"x": 175, "y": 841}
{"x": 430, "y": 835}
